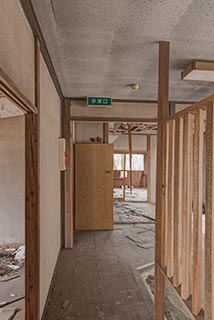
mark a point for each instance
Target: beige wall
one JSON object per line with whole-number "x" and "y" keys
{"x": 49, "y": 182}
{"x": 12, "y": 178}
{"x": 17, "y": 47}
{"x": 126, "y": 110}
{"x": 87, "y": 130}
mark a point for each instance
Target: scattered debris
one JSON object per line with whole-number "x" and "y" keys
{"x": 20, "y": 253}
{"x": 144, "y": 240}
{"x": 65, "y": 304}
{"x": 8, "y": 278}
{"x": 145, "y": 246}
{"x": 117, "y": 303}
{"x": 8, "y": 313}
{"x": 13, "y": 266}
{"x": 6, "y": 303}
{"x": 11, "y": 263}
{"x": 145, "y": 266}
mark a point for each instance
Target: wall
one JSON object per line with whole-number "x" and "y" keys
{"x": 86, "y": 130}
{"x": 153, "y": 141}
{"x": 118, "y": 110}
{"x": 12, "y": 177}
{"x": 17, "y": 47}
{"x": 138, "y": 143}
{"x": 49, "y": 182}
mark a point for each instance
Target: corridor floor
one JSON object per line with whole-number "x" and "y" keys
{"x": 98, "y": 279}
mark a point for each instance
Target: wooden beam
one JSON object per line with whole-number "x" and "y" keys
{"x": 187, "y": 206}
{"x": 209, "y": 235}
{"x": 69, "y": 215}
{"x": 178, "y": 201}
{"x": 32, "y": 204}
{"x": 148, "y": 168}
{"x": 130, "y": 154}
{"x": 170, "y": 199}
{"x": 197, "y": 211}
{"x": 163, "y": 113}
{"x": 105, "y": 132}
{"x": 112, "y": 119}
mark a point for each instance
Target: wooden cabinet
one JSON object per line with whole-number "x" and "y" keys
{"x": 93, "y": 186}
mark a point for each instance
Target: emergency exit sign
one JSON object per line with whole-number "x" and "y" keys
{"x": 99, "y": 101}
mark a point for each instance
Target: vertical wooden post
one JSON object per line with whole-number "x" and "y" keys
{"x": 148, "y": 168}
{"x": 105, "y": 132}
{"x": 187, "y": 206}
{"x": 130, "y": 154}
{"x": 32, "y": 204}
{"x": 197, "y": 211}
{"x": 209, "y": 240}
{"x": 170, "y": 198}
{"x": 178, "y": 202}
{"x": 69, "y": 215}
{"x": 163, "y": 112}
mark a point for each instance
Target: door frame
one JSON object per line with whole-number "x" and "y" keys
{"x": 32, "y": 228}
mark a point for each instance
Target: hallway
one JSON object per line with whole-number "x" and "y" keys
{"x": 105, "y": 281}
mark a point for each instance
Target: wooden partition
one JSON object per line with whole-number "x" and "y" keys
{"x": 189, "y": 223}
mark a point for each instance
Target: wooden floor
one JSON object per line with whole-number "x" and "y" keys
{"x": 98, "y": 279}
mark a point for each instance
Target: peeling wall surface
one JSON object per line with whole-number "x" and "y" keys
{"x": 17, "y": 47}
{"x": 12, "y": 178}
{"x": 49, "y": 182}
{"x": 153, "y": 167}
{"x": 139, "y": 143}
{"x": 87, "y": 130}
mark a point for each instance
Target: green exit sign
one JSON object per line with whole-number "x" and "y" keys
{"x": 99, "y": 101}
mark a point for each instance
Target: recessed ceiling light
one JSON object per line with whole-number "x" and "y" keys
{"x": 199, "y": 71}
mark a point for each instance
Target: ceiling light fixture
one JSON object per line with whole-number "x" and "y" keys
{"x": 199, "y": 71}
{"x": 134, "y": 86}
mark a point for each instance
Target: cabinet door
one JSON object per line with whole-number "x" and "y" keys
{"x": 93, "y": 186}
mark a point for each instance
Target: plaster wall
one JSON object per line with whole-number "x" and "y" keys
{"x": 118, "y": 110}
{"x": 50, "y": 239}
{"x": 17, "y": 47}
{"x": 138, "y": 143}
{"x": 12, "y": 177}
{"x": 87, "y": 130}
{"x": 153, "y": 142}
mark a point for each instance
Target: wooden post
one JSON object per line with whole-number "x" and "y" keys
{"x": 69, "y": 215}
{"x": 178, "y": 201}
{"x": 130, "y": 155}
{"x": 170, "y": 198}
{"x": 197, "y": 211}
{"x": 209, "y": 239}
{"x": 187, "y": 206}
{"x": 148, "y": 168}
{"x": 163, "y": 113}
{"x": 32, "y": 203}
{"x": 105, "y": 132}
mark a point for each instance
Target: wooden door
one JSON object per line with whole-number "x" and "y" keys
{"x": 93, "y": 186}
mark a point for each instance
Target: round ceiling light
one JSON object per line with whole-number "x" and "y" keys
{"x": 134, "y": 86}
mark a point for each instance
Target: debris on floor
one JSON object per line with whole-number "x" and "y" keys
{"x": 8, "y": 313}
{"x": 11, "y": 263}
{"x": 173, "y": 308}
{"x": 134, "y": 212}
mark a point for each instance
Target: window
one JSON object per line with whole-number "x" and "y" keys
{"x": 137, "y": 161}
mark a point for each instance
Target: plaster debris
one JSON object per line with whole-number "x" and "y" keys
{"x": 20, "y": 253}
{"x": 65, "y": 304}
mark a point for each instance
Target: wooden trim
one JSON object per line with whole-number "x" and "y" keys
{"x": 197, "y": 65}
{"x": 197, "y": 210}
{"x": 127, "y": 152}
{"x": 187, "y": 70}
{"x": 112, "y": 119}
{"x": 209, "y": 235}
{"x": 32, "y": 203}
{"x": 105, "y": 132}
{"x": 30, "y": 13}
{"x": 186, "y": 212}
{"x": 130, "y": 153}
{"x": 148, "y": 168}
{"x": 68, "y": 180}
{"x": 12, "y": 92}
{"x": 163, "y": 113}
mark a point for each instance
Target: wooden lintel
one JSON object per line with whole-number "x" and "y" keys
{"x": 105, "y": 132}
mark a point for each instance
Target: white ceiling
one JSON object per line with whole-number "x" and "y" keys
{"x": 100, "y": 47}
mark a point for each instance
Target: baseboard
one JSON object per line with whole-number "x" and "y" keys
{"x": 51, "y": 287}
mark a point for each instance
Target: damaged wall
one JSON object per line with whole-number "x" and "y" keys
{"x": 50, "y": 217}
{"x": 12, "y": 177}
